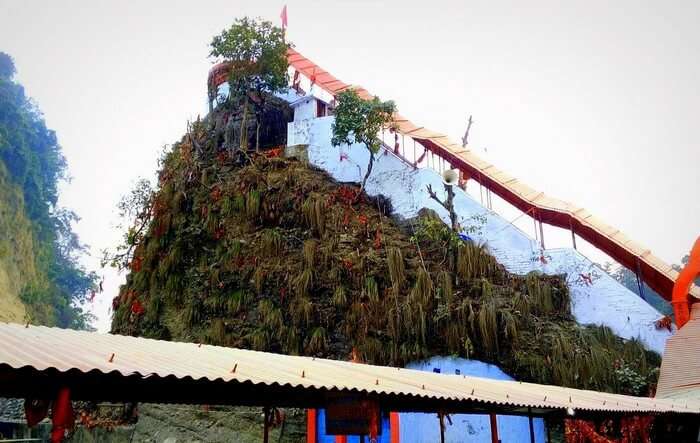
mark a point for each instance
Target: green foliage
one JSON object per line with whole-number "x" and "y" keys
{"x": 257, "y": 53}
{"x": 431, "y": 228}
{"x": 360, "y": 121}
{"x": 31, "y": 154}
{"x": 7, "y": 66}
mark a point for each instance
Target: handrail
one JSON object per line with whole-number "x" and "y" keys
{"x": 652, "y": 270}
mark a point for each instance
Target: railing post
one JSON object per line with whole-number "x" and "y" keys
{"x": 541, "y": 235}
{"x": 640, "y": 283}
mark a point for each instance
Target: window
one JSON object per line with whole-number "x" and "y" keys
{"x": 320, "y": 109}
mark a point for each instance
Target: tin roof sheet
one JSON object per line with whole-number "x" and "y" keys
{"x": 53, "y": 349}
{"x": 680, "y": 368}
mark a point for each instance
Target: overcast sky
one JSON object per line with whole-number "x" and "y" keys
{"x": 594, "y": 102}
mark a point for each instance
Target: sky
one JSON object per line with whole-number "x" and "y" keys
{"x": 593, "y": 102}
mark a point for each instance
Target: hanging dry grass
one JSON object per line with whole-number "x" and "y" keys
{"x": 217, "y": 332}
{"x": 397, "y": 270}
{"x": 271, "y": 242}
{"x": 259, "y": 280}
{"x": 252, "y": 205}
{"x": 315, "y": 215}
{"x": 488, "y": 326}
{"x": 340, "y": 298}
{"x": 236, "y": 301}
{"x": 509, "y": 326}
{"x": 445, "y": 287}
{"x": 318, "y": 341}
{"x": 540, "y": 294}
{"x": 303, "y": 283}
{"x": 371, "y": 289}
{"x": 422, "y": 290}
{"x": 260, "y": 339}
{"x": 310, "y": 248}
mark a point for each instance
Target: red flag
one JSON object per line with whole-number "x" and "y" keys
{"x": 283, "y": 16}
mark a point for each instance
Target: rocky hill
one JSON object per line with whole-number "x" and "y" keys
{"x": 257, "y": 251}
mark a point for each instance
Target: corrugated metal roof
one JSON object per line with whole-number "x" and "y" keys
{"x": 53, "y": 349}
{"x": 654, "y": 271}
{"x": 680, "y": 368}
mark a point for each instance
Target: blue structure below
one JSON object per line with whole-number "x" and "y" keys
{"x": 419, "y": 428}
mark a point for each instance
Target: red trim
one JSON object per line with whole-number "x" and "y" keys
{"x": 394, "y": 426}
{"x": 311, "y": 426}
{"x": 341, "y": 439}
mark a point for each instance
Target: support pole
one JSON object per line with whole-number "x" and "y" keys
{"x": 573, "y": 237}
{"x": 541, "y": 235}
{"x": 549, "y": 432}
{"x": 532, "y": 427}
{"x": 441, "y": 420}
{"x": 640, "y": 283}
{"x": 395, "y": 427}
{"x": 494, "y": 428}
{"x": 415, "y": 156}
{"x": 266, "y": 429}
{"x": 311, "y": 426}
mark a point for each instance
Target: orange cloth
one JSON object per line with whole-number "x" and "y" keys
{"x": 680, "y": 300}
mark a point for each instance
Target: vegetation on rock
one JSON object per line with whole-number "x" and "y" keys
{"x": 269, "y": 254}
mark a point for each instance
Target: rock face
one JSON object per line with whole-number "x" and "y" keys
{"x": 189, "y": 424}
{"x": 274, "y": 116}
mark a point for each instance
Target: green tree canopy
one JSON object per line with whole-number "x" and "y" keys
{"x": 33, "y": 157}
{"x": 257, "y": 55}
{"x": 7, "y": 66}
{"x": 359, "y": 121}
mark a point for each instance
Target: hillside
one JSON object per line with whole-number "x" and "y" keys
{"x": 261, "y": 252}
{"x": 41, "y": 280}
{"x": 16, "y": 250}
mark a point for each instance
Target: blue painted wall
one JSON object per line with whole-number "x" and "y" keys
{"x": 419, "y": 428}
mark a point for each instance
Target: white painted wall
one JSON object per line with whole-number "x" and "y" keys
{"x": 604, "y": 302}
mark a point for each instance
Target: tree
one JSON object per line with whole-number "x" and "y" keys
{"x": 34, "y": 160}
{"x": 359, "y": 121}
{"x": 7, "y": 66}
{"x": 136, "y": 208}
{"x": 257, "y": 55}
